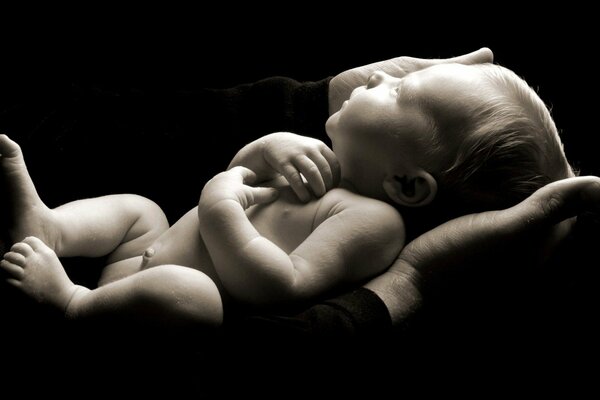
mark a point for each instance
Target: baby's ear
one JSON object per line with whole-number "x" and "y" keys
{"x": 411, "y": 190}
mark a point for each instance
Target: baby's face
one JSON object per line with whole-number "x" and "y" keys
{"x": 390, "y": 122}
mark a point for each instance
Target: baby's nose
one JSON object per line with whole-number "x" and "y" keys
{"x": 376, "y": 79}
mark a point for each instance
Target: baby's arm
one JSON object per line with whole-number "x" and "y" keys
{"x": 290, "y": 155}
{"x": 358, "y": 241}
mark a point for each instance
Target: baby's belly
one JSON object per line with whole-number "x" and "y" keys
{"x": 182, "y": 245}
{"x": 286, "y": 222}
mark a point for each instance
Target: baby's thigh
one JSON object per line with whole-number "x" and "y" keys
{"x": 150, "y": 223}
{"x": 181, "y": 244}
{"x": 120, "y": 269}
{"x": 179, "y": 295}
{"x": 171, "y": 296}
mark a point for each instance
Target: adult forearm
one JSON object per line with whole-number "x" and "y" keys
{"x": 399, "y": 289}
{"x": 520, "y": 234}
{"x": 252, "y": 268}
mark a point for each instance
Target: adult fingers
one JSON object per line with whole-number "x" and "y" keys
{"x": 559, "y": 200}
{"x": 411, "y": 64}
{"x": 465, "y": 238}
{"x": 483, "y": 55}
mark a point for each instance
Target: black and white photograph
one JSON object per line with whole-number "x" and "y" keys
{"x": 273, "y": 202}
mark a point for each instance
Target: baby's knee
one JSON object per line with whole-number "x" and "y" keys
{"x": 149, "y": 213}
{"x": 186, "y": 295}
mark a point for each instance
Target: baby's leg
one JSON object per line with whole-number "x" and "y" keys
{"x": 165, "y": 294}
{"x": 119, "y": 225}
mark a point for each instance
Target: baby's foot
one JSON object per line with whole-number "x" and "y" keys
{"x": 29, "y": 216}
{"x": 35, "y": 269}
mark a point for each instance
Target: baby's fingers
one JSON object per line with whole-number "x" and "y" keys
{"x": 334, "y": 167}
{"x": 291, "y": 174}
{"x": 248, "y": 176}
{"x": 313, "y": 174}
{"x": 326, "y": 174}
{"x": 259, "y": 195}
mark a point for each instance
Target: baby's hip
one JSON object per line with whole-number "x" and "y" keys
{"x": 181, "y": 244}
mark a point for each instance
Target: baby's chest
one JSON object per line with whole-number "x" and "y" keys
{"x": 286, "y": 222}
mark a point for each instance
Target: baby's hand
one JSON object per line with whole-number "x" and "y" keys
{"x": 233, "y": 184}
{"x": 291, "y": 155}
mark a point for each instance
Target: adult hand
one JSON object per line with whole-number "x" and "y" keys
{"x": 343, "y": 84}
{"x": 474, "y": 240}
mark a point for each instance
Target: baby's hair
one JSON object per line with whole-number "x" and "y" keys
{"x": 511, "y": 146}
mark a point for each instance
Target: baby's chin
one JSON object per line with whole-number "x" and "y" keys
{"x": 331, "y": 125}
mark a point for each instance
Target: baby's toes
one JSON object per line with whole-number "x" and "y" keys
{"x": 22, "y": 248}
{"x": 14, "y": 271}
{"x": 15, "y": 258}
{"x": 36, "y": 244}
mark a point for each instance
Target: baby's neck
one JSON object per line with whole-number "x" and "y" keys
{"x": 346, "y": 184}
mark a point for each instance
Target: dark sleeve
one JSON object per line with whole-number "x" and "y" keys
{"x": 269, "y": 105}
{"x": 245, "y": 111}
{"x": 358, "y": 314}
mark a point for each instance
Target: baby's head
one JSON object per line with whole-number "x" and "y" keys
{"x": 476, "y": 137}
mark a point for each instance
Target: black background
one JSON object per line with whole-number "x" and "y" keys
{"x": 201, "y": 47}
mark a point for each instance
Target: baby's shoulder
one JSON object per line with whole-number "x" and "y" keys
{"x": 341, "y": 200}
